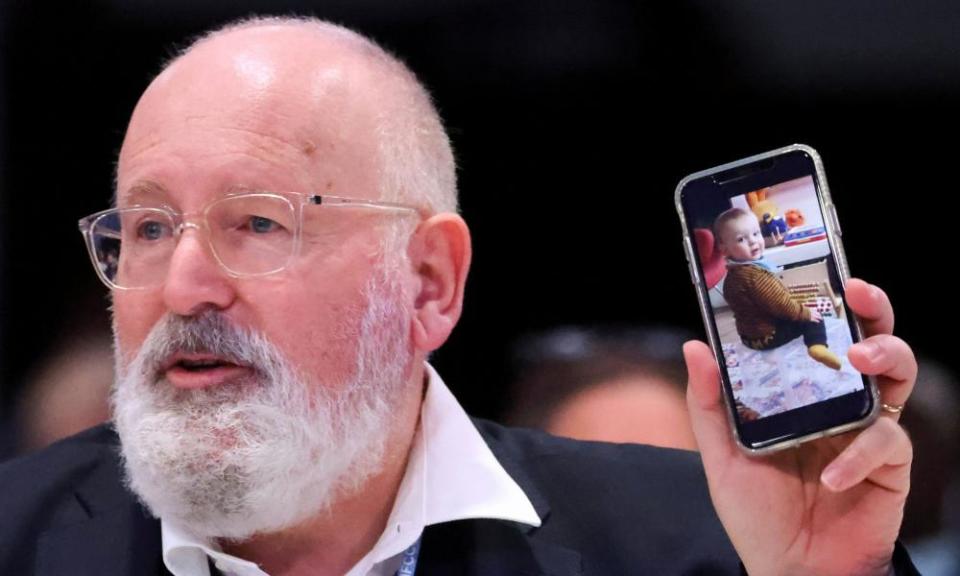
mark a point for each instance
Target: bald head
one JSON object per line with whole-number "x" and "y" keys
{"x": 311, "y": 93}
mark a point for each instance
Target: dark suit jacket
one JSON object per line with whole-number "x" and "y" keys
{"x": 606, "y": 509}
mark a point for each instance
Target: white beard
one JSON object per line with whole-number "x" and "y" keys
{"x": 267, "y": 453}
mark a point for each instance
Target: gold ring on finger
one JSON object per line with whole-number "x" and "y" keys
{"x": 891, "y": 408}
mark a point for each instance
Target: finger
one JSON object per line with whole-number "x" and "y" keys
{"x": 892, "y": 361}
{"x": 871, "y": 305}
{"x": 881, "y": 452}
{"x": 704, "y": 401}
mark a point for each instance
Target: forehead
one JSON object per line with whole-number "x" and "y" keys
{"x": 740, "y": 223}
{"x": 253, "y": 114}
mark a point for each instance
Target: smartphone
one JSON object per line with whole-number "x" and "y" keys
{"x": 764, "y": 249}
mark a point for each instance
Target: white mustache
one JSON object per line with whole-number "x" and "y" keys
{"x": 208, "y": 333}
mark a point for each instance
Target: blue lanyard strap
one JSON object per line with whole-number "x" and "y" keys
{"x": 408, "y": 566}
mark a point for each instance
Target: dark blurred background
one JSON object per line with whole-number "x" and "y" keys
{"x": 573, "y": 121}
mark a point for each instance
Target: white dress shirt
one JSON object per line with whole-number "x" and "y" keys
{"x": 451, "y": 475}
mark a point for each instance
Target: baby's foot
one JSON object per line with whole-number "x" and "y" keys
{"x": 823, "y": 355}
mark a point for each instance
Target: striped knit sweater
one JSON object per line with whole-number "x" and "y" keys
{"x": 758, "y": 299}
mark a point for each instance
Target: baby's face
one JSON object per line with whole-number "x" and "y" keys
{"x": 741, "y": 239}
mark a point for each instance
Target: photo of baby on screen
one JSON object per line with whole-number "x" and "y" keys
{"x": 783, "y": 329}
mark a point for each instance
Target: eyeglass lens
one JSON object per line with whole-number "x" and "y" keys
{"x": 249, "y": 235}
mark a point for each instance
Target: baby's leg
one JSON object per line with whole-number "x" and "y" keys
{"x": 815, "y": 337}
{"x": 813, "y": 333}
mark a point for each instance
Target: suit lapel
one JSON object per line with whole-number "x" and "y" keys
{"x": 483, "y": 546}
{"x": 125, "y": 542}
{"x": 512, "y": 462}
{"x": 103, "y": 531}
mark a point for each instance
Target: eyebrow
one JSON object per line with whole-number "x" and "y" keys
{"x": 143, "y": 189}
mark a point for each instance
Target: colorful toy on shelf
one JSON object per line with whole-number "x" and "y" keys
{"x": 804, "y": 234}
{"x": 772, "y": 226}
{"x": 794, "y": 218}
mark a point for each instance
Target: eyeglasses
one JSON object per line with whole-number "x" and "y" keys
{"x": 249, "y": 233}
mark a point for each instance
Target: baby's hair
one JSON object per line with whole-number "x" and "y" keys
{"x": 726, "y": 217}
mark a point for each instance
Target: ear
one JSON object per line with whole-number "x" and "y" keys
{"x": 440, "y": 255}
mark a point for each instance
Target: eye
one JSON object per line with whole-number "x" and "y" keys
{"x": 152, "y": 230}
{"x": 261, "y": 225}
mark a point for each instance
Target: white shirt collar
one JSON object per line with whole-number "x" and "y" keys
{"x": 451, "y": 475}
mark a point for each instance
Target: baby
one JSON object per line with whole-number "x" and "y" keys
{"x": 767, "y": 316}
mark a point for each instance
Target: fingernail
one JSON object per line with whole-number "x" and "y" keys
{"x": 832, "y": 478}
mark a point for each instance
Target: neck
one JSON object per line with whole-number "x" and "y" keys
{"x": 334, "y": 540}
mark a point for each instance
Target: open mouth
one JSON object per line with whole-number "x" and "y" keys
{"x": 199, "y": 365}
{"x": 201, "y": 370}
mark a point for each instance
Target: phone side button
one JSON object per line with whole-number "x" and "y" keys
{"x": 834, "y": 221}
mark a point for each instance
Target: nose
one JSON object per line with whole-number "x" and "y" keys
{"x": 195, "y": 281}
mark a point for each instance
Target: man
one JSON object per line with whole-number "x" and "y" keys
{"x": 284, "y": 255}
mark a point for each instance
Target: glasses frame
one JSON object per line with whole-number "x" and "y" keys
{"x": 297, "y": 201}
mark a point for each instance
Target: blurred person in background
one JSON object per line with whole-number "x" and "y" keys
{"x": 67, "y": 393}
{"x": 603, "y": 383}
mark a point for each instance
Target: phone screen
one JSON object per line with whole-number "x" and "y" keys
{"x": 764, "y": 239}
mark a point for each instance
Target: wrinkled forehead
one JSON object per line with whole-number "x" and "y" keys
{"x": 265, "y": 106}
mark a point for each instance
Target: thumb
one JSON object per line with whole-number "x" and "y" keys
{"x": 707, "y": 412}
